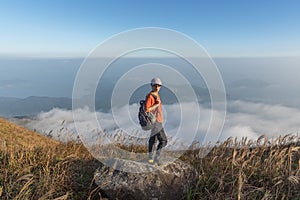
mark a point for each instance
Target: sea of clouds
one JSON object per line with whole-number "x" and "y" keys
{"x": 243, "y": 119}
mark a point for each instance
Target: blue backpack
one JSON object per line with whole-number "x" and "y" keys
{"x": 146, "y": 119}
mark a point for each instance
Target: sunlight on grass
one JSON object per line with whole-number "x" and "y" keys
{"x": 248, "y": 169}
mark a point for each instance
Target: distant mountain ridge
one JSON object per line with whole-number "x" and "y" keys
{"x": 31, "y": 106}
{"x": 12, "y": 107}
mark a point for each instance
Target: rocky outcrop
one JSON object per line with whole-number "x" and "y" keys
{"x": 168, "y": 181}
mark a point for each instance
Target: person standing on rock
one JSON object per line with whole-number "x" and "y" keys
{"x": 154, "y": 105}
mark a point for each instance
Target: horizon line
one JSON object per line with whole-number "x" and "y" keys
{"x": 5, "y": 56}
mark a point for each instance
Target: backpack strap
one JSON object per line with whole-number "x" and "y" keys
{"x": 155, "y": 97}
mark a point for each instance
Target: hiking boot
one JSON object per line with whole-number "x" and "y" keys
{"x": 151, "y": 161}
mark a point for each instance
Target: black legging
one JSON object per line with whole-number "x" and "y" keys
{"x": 157, "y": 133}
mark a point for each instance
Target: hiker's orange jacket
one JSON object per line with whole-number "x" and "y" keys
{"x": 150, "y": 101}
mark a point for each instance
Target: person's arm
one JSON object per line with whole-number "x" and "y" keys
{"x": 151, "y": 108}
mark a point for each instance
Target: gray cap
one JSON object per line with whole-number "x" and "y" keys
{"x": 156, "y": 81}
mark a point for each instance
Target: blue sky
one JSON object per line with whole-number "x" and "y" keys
{"x": 223, "y": 28}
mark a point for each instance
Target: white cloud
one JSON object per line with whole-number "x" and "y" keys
{"x": 244, "y": 119}
{"x": 258, "y": 118}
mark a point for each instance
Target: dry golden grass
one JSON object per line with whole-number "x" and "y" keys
{"x": 249, "y": 170}
{"x": 12, "y": 135}
{"x": 36, "y": 167}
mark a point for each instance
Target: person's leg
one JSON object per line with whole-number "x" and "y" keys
{"x": 153, "y": 138}
{"x": 152, "y": 141}
{"x": 162, "y": 138}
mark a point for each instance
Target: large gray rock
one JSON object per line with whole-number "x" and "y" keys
{"x": 156, "y": 182}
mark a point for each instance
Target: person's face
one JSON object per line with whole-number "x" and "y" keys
{"x": 156, "y": 87}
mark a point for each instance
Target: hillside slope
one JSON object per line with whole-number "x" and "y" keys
{"x": 33, "y": 166}
{"x": 12, "y": 135}
{"x": 36, "y": 167}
